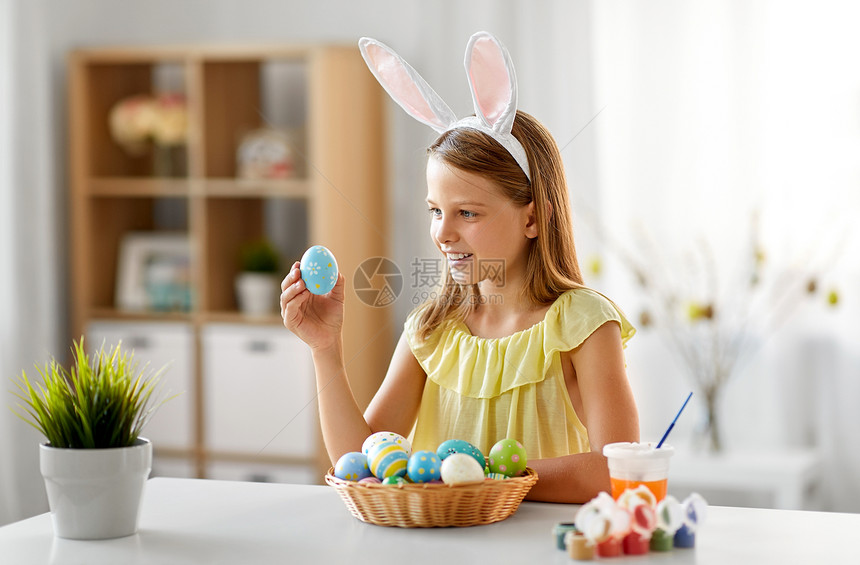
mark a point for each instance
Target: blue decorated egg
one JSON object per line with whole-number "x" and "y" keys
{"x": 423, "y": 467}
{"x": 387, "y": 459}
{"x": 319, "y": 270}
{"x": 453, "y": 446}
{"x": 382, "y": 437}
{"x": 352, "y": 466}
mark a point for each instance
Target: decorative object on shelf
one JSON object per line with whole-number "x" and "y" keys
{"x": 268, "y": 153}
{"x": 144, "y": 123}
{"x": 95, "y": 463}
{"x": 154, "y": 272}
{"x": 257, "y": 284}
{"x": 714, "y": 327}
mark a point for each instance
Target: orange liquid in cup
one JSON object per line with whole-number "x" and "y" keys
{"x": 657, "y": 488}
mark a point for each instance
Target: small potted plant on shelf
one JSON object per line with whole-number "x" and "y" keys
{"x": 257, "y": 284}
{"x": 94, "y": 463}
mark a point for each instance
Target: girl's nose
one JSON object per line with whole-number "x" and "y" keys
{"x": 444, "y": 231}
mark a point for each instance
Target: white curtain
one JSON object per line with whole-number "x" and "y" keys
{"x": 29, "y": 279}
{"x": 713, "y": 109}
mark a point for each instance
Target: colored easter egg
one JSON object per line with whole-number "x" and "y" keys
{"x": 387, "y": 459}
{"x": 461, "y": 469}
{"x": 508, "y": 457}
{"x": 381, "y": 437}
{"x": 319, "y": 270}
{"x": 394, "y": 480}
{"x": 352, "y": 466}
{"x": 423, "y": 467}
{"x": 371, "y": 480}
{"x": 452, "y": 446}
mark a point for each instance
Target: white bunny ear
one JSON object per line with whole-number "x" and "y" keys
{"x": 405, "y": 85}
{"x": 492, "y": 80}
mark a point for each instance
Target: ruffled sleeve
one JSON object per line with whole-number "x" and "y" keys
{"x": 486, "y": 368}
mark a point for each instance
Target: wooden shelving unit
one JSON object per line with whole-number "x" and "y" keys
{"x": 339, "y": 107}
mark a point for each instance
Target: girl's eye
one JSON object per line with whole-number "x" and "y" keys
{"x": 468, "y": 214}
{"x": 435, "y": 212}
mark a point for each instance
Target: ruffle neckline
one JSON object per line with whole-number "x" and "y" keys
{"x": 480, "y": 367}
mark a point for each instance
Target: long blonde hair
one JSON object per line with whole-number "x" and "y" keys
{"x": 552, "y": 266}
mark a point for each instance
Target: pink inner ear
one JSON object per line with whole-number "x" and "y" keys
{"x": 400, "y": 85}
{"x": 490, "y": 79}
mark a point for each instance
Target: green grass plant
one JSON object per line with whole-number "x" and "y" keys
{"x": 103, "y": 401}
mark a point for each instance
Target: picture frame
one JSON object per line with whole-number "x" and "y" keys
{"x": 154, "y": 272}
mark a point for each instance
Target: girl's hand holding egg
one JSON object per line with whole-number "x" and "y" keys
{"x": 316, "y": 318}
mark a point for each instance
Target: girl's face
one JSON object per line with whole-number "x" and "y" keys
{"x": 482, "y": 233}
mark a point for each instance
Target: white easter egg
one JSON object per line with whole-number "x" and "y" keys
{"x": 461, "y": 469}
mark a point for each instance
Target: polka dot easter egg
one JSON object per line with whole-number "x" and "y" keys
{"x": 319, "y": 270}
{"x": 423, "y": 467}
{"x": 352, "y": 467}
{"x": 453, "y": 446}
{"x": 387, "y": 459}
{"x": 381, "y": 437}
{"x": 508, "y": 457}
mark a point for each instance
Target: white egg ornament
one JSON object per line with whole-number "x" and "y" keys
{"x": 461, "y": 469}
{"x": 382, "y": 437}
{"x": 319, "y": 270}
{"x": 352, "y": 466}
{"x": 423, "y": 467}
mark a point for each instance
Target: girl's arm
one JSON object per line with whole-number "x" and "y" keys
{"x": 608, "y": 412}
{"x": 318, "y": 321}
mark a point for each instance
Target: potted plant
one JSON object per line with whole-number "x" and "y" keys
{"x": 94, "y": 462}
{"x": 257, "y": 285}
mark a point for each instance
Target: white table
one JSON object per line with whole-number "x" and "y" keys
{"x": 788, "y": 477}
{"x": 204, "y": 521}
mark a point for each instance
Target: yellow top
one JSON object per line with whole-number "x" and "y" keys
{"x": 485, "y": 389}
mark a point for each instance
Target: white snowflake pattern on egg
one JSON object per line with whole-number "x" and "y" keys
{"x": 319, "y": 269}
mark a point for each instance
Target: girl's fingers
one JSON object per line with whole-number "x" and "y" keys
{"x": 294, "y": 275}
{"x": 291, "y": 292}
{"x": 291, "y": 309}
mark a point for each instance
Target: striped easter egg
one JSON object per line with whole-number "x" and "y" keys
{"x": 387, "y": 459}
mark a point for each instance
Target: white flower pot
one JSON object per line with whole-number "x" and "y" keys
{"x": 257, "y": 293}
{"x": 95, "y": 493}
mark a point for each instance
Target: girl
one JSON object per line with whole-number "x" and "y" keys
{"x": 513, "y": 345}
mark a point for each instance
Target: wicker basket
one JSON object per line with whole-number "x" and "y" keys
{"x": 433, "y": 505}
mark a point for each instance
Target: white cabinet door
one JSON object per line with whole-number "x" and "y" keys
{"x": 158, "y": 344}
{"x": 259, "y": 392}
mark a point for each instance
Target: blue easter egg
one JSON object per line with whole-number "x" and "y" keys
{"x": 352, "y": 466}
{"x": 319, "y": 270}
{"x": 387, "y": 459}
{"x": 452, "y": 446}
{"x": 424, "y": 467}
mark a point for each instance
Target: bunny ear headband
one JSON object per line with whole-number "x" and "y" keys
{"x": 491, "y": 78}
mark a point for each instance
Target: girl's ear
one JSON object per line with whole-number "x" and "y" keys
{"x": 492, "y": 80}
{"x": 405, "y": 85}
{"x": 531, "y": 219}
{"x": 531, "y": 231}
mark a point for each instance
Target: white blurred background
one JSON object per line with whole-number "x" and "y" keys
{"x": 677, "y": 120}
